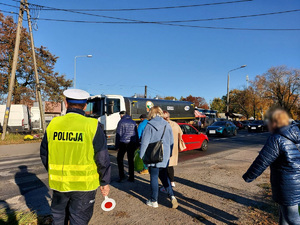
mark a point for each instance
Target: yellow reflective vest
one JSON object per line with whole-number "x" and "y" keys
{"x": 71, "y": 163}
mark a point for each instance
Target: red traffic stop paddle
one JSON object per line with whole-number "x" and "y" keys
{"x": 108, "y": 204}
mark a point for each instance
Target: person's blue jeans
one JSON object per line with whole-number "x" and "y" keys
{"x": 162, "y": 174}
{"x": 289, "y": 215}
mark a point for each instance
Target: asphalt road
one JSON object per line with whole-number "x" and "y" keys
{"x": 24, "y": 179}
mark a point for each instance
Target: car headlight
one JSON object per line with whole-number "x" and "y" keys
{"x": 259, "y": 125}
{"x": 220, "y": 128}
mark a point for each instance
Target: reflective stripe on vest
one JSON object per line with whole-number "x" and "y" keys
{"x": 73, "y": 178}
{"x": 71, "y": 163}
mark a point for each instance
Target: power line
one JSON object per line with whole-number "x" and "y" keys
{"x": 181, "y": 21}
{"x": 41, "y": 7}
{"x": 9, "y": 5}
{"x": 157, "y": 91}
{"x": 169, "y": 24}
{"x": 232, "y": 17}
{"x": 155, "y": 22}
{"x": 154, "y": 8}
{"x": 178, "y": 21}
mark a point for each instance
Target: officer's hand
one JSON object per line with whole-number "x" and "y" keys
{"x": 105, "y": 190}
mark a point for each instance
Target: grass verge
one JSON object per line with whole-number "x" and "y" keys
{"x": 22, "y": 218}
{"x": 17, "y": 139}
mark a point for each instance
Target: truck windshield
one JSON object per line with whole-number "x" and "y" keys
{"x": 95, "y": 108}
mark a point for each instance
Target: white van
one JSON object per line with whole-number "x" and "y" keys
{"x": 35, "y": 118}
{"x": 19, "y": 119}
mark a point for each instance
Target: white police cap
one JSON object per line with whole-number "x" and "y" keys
{"x": 77, "y": 96}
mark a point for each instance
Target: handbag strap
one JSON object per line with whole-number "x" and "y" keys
{"x": 163, "y": 133}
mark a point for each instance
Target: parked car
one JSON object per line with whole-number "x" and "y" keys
{"x": 1, "y": 129}
{"x": 221, "y": 128}
{"x": 245, "y": 123}
{"x": 192, "y": 138}
{"x": 19, "y": 118}
{"x": 239, "y": 125}
{"x": 257, "y": 125}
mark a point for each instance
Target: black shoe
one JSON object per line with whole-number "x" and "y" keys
{"x": 130, "y": 180}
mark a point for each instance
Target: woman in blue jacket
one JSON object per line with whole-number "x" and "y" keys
{"x": 153, "y": 133}
{"x": 282, "y": 154}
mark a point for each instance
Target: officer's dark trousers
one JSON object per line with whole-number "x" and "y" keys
{"x": 130, "y": 149}
{"x": 76, "y": 207}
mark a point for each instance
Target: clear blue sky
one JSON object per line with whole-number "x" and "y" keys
{"x": 175, "y": 61}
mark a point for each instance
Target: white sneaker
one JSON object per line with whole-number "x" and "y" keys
{"x": 174, "y": 202}
{"x": 152, "y": 204}
{"x": 163, "y": 190}
{"x": 173, "y": 184}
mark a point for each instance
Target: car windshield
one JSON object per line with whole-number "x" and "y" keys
{"x": 220, "y": 123}
{"x": 258, "y": 122}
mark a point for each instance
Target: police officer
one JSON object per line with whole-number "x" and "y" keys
{"x": 74, "y": 152}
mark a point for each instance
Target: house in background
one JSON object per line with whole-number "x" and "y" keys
{"x": 51, "y": 109}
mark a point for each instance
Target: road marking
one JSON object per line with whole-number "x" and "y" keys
{"x": 19, "y": 160}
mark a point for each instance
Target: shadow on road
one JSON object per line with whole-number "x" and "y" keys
{"x": 34, "y": 191}
{"x": 224, "y": 194}
{"x": 185, "y": 204}
{"x": 7, "y": 216}
{"x": 141, "y": 190}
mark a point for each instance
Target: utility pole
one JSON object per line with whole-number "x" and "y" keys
{"x": 145, "y": 91}
{"x": 13, "y": 70}
{"x": 227, "y": 101}
{"x": 37, "y": 80}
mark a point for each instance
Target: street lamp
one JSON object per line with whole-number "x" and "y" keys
{"x": 228, "y": 78}
{"x": 74, "y": 81}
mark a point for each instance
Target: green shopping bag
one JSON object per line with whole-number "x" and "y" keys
{"x": 138, "y": 162}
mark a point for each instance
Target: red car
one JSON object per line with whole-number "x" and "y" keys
{"x": 192, "y": 138}
{"x": 239, "y": 124}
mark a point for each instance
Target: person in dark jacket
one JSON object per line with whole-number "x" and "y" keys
{"x": 282, "y": 153}
{"x": 127, "y": 141}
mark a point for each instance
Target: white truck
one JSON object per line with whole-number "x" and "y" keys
{"x": 19, "y": 118}
{"x": 106, "y": 109}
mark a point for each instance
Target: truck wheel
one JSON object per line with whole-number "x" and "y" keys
{"x": 204, "y": 146}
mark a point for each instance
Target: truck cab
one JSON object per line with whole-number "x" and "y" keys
{"x": 106, "y": 109}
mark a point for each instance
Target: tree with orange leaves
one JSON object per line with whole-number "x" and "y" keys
{"x": 52, "y": 83}
{"x": 279, "y": 86}
{"x": 198, "y": 101}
